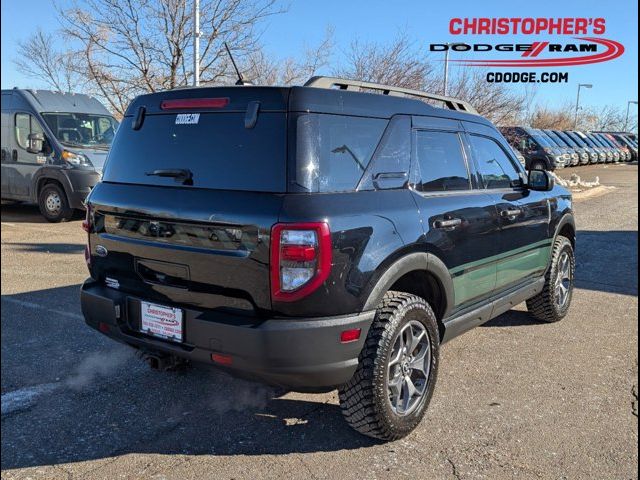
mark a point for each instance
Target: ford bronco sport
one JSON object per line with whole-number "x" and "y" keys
{"x": 319, "y": 237}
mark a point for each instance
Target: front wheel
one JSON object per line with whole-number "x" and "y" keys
{"x": 389, "y": 393}
{"x": 552, "y": 304}
{"x": 53, "y": 204}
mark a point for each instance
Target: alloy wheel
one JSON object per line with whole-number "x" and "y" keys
{"x": 408, "y": 368}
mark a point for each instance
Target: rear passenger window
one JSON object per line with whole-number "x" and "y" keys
{"x": 333, "y": 151}
{"x": 440, "y": 162}
{"x": 494, "y": 166}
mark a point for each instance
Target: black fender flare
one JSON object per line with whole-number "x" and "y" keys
{"x": 418, "y": 261}
{"x": 566, "y": 219}
{"x": 50, "y": 173}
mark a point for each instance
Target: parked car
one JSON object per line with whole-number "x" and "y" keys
{"x": 583, "y": 153}
{"x": 618, "y": 155}
{"x": 539, "y": 153}
{"x": 319, "y": 237}
{"x": 592, "y": 153}
{"x": 600, "y": 151}
{"x": 633, "y": 146}
{"x": 53, "y": 148}
{"x": 607, "y": 148}
{"x": 564, "y": 145}
{"x": 623, "y": 148}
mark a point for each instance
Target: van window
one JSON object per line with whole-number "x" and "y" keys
{"x": 494, "y": 165}
{"x": 82, "y": 129}
{"x": 333, "y": 151}
{"x": 440, "y": 162}
{"x": 216, "y": 147}
{"x": 25, "y": 125}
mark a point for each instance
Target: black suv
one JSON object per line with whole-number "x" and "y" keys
{"x": 318, "y": 237}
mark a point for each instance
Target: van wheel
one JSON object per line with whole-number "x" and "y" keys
{"x": 389, "y": 393}
{"x": 53, "y": 204}
{"x": 552, "y": 304}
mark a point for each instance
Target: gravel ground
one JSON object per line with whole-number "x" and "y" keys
{"x": 515, "y": 398}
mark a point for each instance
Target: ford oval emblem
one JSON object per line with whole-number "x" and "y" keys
{"x": 101, "y": 251}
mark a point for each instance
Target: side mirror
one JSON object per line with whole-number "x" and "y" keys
{"x": 36, "y": 143}
{"x": 540, "y": 180}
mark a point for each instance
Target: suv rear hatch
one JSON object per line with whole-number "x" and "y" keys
{"x": 190, "y": 191}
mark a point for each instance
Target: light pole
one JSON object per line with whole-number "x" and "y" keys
{"x": 196, "y": 43}
{"x": 626, "y": 120}
{"x": 585, "y": 85}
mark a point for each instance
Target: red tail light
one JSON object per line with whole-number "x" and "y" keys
{"x": 192, "y": 103}
{"x": 221, "y": 358}
{"x": 300, "y": 259}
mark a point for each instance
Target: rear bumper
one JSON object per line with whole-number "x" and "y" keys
{"x": 300, "y": 353}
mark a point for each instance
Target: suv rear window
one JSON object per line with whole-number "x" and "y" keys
{"x": 218, "y": 149}
{"x": 333, "y": 151}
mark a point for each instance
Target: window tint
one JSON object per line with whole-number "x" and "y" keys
{"x": 217, "y": 148}
{"x": 25, "y": 125}
{"x": 494, "y": 166}
{"x": 333, "y": 151}
{"x": 440, "y": 162}
{"x": 393, "y": 156}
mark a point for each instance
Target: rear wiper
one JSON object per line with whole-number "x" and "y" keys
{"x": 346, "y": 149}
{"x": 180, "y": 174}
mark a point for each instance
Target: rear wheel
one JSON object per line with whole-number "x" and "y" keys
{"x": 552, "y": 304}
{"x": 389, "y": 393}
{"x": 53, "y": 203}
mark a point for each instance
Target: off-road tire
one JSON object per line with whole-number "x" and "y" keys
{"x": 544, "y": 306}
{"x": 63, "y": 212}
{"x": 364, "y": 400}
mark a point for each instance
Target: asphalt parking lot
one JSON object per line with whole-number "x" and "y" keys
{"x": 515, "y": 398}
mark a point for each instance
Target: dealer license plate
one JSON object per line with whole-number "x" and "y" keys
{"x": 160, "y": 321}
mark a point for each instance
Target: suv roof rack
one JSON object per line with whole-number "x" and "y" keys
{"x": 357, "y": 85}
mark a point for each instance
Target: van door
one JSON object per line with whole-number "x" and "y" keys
{"x": 460, "y": 222}
{"x": 6, "y": 160}
{"x": 27, "y": 163}
{"x": 525, "y": 240}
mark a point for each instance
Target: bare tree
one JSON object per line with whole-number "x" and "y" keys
{"x": 38, "y": 58}
{"x": 495, "y": 101}
{"x": 128, "y": 47}
{"x": 607, "y": 117}
{"x": 399, "y": 63}
{"x": 261, "y": 69}
{"x": 560, "y": 118}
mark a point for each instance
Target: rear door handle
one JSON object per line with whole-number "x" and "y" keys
{"x": 450, "y": 223}
{"x": 513, "y": 212}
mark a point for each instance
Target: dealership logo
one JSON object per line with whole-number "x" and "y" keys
{"x": 611, "y": 50}
{"x": 585, "y": 47}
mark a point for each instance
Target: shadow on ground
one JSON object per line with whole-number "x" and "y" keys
{"x": 48, "y": 247}
{"x": 91, "y": 398}
{"x": 85, "y": 397}
{"x": 607, "y": 261}
{"x": 23, "y": 213}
